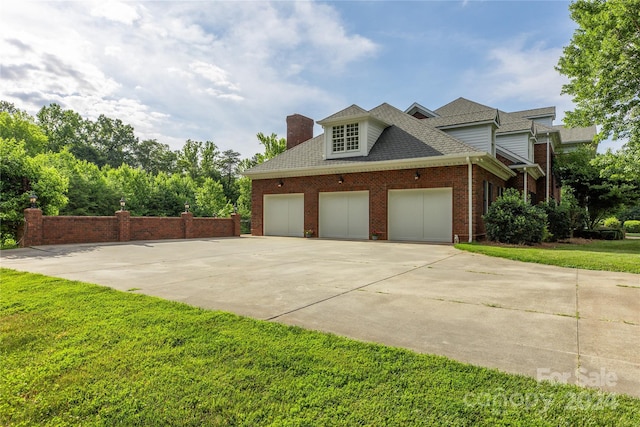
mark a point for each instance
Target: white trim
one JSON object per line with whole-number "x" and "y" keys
{"x": 548, "y": 167}
{"x": 484, "y": 160}
{"x": 470, "y": 197}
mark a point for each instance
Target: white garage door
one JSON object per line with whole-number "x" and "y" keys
{"x": 283, "y": 215}
{"x": 344, "y": 215}
{"x": 421, "y": 214}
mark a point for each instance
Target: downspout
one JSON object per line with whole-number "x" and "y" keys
{"x": 526, "y": 188}
{"x": 548, "y": 167}
{"x": 470, "y": 197}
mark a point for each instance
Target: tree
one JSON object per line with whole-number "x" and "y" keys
{"x": 210, "y": 199}
{"x": 154, "y": 157}
{"x": 602, "y": 63}
{"x": 272, "y": 146}
{"x": 66, "y": 128}
{"x": 114, "y": 140}
{"x": 21, "y": 126}
{"x": 21, "y": 175}
{"x": 229, "y": 168}
{"x": 593, "y": 191}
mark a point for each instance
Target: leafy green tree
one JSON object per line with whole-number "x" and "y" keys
{"x": 622, "y": 170}
{"x": 21, "y": 175}
{"x": 229, "y": 168}
{"x": 22, "y": 127}
{"x": 114, "y": 140}
{"x": 210, "y": 199}
{"x": 272, "y": 146}
{"x": 189, "y": 159}
{"x": 154, "y": 157}
{"x": 594, "y": 192}
{"x": 133, "y": 184}
{"x": 89, "y": 192}
{"x": 66, "y": 128}
{"x": 602, "y": 63}
{"x": 210, "y": 161}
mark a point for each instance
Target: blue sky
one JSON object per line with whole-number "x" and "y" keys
{"x": 224, "y": 71}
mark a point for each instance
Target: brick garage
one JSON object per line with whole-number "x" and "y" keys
{"x": 403, "y": 174}
{"x": 378, "y": 184}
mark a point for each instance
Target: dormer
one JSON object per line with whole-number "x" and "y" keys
{"x": 350, "y": 133}
{"x": 419, "y": 112}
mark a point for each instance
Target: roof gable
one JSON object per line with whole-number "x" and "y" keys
{"x": 405, "y": 138}
{"x": 351, "y": 111}
{"x": 461, "y": 106}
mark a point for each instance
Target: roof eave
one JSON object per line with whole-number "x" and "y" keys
{"x": 533, "y": 169}
{"x": 461, "y": 125}
{"x": 482, "y": 159}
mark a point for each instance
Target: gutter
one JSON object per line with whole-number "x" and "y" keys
{"x": 483, "y": 159}
{"x": 470, "y": 197}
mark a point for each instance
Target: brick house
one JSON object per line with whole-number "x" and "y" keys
{"x": 417, "y": 174}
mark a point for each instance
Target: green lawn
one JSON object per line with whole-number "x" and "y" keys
{"x": 609, "y": 255}
{"x": 81, "y": 354}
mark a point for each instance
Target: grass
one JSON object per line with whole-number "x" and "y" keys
{"x": 608, "y": 255}
{"x": 80, "y": 354}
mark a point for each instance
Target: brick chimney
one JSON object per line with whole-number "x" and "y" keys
{"x": 299, "y": 129}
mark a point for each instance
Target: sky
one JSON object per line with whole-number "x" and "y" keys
{"x": 223, "y": 71}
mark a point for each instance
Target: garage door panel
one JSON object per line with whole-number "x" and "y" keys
{"x": 344, "y": 215}
{"x": 420, "y": 214}
{"x": 284, "y": 215}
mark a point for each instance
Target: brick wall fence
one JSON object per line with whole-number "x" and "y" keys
{"x": 122, "y": 227}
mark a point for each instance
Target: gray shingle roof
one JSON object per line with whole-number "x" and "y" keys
{"x": 461, "y": 106}
{"x": 515, "y": 126}
{"x": 353, "y": 110}
{"x": 576, "y": 135}
{"x": 406, "y": 138}
{"x": 535, "y": 112}
{"x": 468, "y": 118}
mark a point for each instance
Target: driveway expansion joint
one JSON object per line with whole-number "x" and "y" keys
{"x": 358, "y": 288}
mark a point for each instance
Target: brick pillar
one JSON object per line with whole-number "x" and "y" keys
{"x": 32, "y": 232}
{"x": 236, "y": 224}
{"x": 187, "y": 225}
{"x": 124, "y": 226}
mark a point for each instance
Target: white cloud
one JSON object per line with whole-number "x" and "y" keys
{"x": 116, "y": 11}
{"x": 220, "y": 71}
{"x": 521, "y": 74}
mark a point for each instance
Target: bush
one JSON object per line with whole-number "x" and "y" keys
{"x": 632, "y": 226}
{"x": 630, "y": 213}
{"x": 558, "y": 221}
{"x": 512, "y": 220}
{"x": 612, "y": 222}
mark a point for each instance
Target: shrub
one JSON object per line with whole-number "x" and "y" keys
{"x": 512, "y": 220}
{"x": 612, "y": 222}
{"x": 632, "y": 226}
{"x": 630, "y": 213}
{"x": 558, "y": 221}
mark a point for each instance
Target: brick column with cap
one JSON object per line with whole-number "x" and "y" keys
{"x": 187, "y": 224}
{"x": 32, "y": 231}
{"x": 124, "y": 226}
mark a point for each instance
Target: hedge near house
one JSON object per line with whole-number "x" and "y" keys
{"x": 512, "y": 220}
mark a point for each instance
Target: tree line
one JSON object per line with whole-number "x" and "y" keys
{"x": 78, "y": 166}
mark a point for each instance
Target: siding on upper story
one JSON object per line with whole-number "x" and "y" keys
{"x": 479, "y": 137}
{"x": 517, "y": 143}
{"x": 372, "y": 133}
{"x": 547, "y": 121}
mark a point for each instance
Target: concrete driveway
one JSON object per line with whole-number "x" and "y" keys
{"x": 516, "y": 317}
